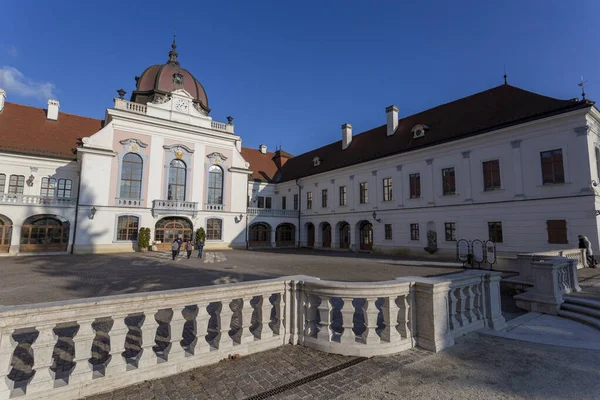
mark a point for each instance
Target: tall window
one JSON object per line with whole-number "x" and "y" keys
{"x": 450, "y": 228}
{"x": 214, "y": 228}
{"x": 557, "y": 231}
{"x": 552, "y": 167}
{"x": 324, "y": 198}
{"x": 491, "y": 175}
{"x": 495, "y": 231}
{"x": 268, "y": 203}
{"x": 16, "y": 184}
{"x": 48, "y": 187}
{"x": 64, "y": 188}
{"x": 415, "y": 185}
{"x": 308, "y": 200}
{"x": 343, "y": 200}
{"x": 127, "y": 227}
{"x": 283, "y": 203}
{"x": 414, "y": 231}
{"x": 448, "y": 181}
{"x": 215, "y": 185}
{"x": 296, "y": 202}
{"x": 388, "y": 231}
{"x": 177, "y": 174}
{"x": 131, "y": 177}
{"x": 2, "y": 183}
{"x": 364, "y": 192}
{"x": 387, "y": 189}
{"x": 260, "y": 202}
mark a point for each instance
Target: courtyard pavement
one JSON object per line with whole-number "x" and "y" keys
{"x": 37, "y": 279}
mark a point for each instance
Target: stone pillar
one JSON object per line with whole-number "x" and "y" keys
{"x": 15, "y": 240}
{"x": 432, "y": 315}
{"x": 318, "y": 236}
{"x": 431, "y": 196}
{"x": 546, "y": 295}
{"x": 350, "y": 197}
{"x": 466, "y": 166}
{"x": 493, "y": 310}
{"x": 273, "y": 236}
{"x": 397, "y": 187}
{"x": 517, "y": 168}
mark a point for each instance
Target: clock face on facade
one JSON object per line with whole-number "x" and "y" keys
{"x": 181, "y": 105}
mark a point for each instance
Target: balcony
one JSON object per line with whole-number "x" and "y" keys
{"x": 28, "y": 200}
{"x": 123, "y": 202}
{"x": 177, "y": 207}
{"x": 213, "y": 207}
{"x": 271, "y": 212}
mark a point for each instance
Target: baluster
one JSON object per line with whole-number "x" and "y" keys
{"x": 200, "y": 345}
{"x": 310, "y": 319}
{"x": 452, "y": 308}
{"x": 347, "y": 311}
{"x": 176, "y": 351}
{"x": 224, "y": 323}
{"x": 117, "y": 364}
{"x": 7, "y": 348}
{"x": 246, "y": 336}
{"x": 404, "y": 316}
{"x": 370, "y": 313}
{"x": 149, "y": 328}
{"x": 325, "y": 314}
{"x": 43, "y": 349}
{"x": 279, "y": 304}
{"x": 460, "y": 307}
{"x": 264, "y": 331}
{"x": 82, "y": 341}
{"x": 469, "y": 297}
{"x": 390, "y": 315}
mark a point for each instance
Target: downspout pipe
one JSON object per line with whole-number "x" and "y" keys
{"x": 247, "y": 205}
{"x": 76, "y": 211}
{"x": 299, "y": 211}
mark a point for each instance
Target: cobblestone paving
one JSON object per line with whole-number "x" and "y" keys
{"x": 257, "y": 373}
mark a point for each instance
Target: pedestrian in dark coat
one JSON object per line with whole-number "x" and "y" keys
{"x": 180, "y": 242}
{"x": 200, "y": 248}
{"x": 189, "y": 246}
{"x": 175, "y": 248}
{"x": 584, "y": 243}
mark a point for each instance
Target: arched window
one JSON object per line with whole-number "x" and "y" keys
{"x": 44, "y": 233}
{"x": 127, "y": 227}
{"x": 214, "y": 227}
{"x": 176, "y": 180}
{"x": 215, "y": 185}
{"x": 131, "y": 177}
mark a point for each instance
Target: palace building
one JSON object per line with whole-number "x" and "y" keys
{"x": 505, "y": 165}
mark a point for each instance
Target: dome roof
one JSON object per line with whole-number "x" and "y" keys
{"x": 157, "y": 81}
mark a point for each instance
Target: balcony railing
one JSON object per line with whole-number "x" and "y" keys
{"x": 213, "y": 207}
{"x": 123, "y": 202}
{"x": 25, "y": 199}
{"x": 175, "y": 206}
{"x": 271, "y": 212}
{"x": 122, "y": 104}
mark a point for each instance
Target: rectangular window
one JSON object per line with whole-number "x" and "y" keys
{"x": 491, "y": 175}
{"x": 414, "y": 231}
{"x": 450, "y": 228}
{"x": 324, "y": 198}
{"x": 557, "y": 231}
{"x": 2, "y": 183}
{"x": 48, "y": 187}
{"x": 214, "y": 229}
{"x": 388, "y": 231}
{"x": 552, "y": 167}
{"x": 295, "y": 202}
{"x": 495, "y": 231}
{"x": 415, "y": 186}
{"x": 16, "y": 184}
{"x": 267, "y": 202}
{"x": 387, "y": 189}
{"x": 283, "y": 203}
{"x": 343, "y": 200}
{"x": 64, "y": 188}
{"x": 308, "y": 200}
{"x": 364, "y": 192}
{"x": 127, "y": 227}
{"x": 448, "y": 181}
{"x": 260, "y": 202}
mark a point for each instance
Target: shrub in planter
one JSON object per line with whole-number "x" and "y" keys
{"x": 144, "y": 239}
{"x": 200, "y": 235}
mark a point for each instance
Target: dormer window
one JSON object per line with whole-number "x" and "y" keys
{"x": 419, "y": 131}
{"x": 316, "y": 162}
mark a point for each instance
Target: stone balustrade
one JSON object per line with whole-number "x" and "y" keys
{"x": 124, "y": 202}
{"x": 122, "y": 104}
{"x": 272, "y": 212}
{"x": 213, "y": 207}
{"x": 26, "y": 199}
{"x": 174, "y": 206}
{"x": 73, "y": 349}
{"x": 218, "y": 125}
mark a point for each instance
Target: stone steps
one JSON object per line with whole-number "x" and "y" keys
{"x": 582, "y": 310}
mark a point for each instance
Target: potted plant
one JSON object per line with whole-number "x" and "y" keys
{"x": 200, "y": 235}
{"x": 144, "y": 239}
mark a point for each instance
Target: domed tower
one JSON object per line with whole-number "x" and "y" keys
{"x": 157, "y": 81}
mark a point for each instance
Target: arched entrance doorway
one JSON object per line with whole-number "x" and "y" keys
{"x": 171, "y": 228}
{"x": 44, "y": 233}
{"x": 366, "y": 236}
{"x": 259, "y": 235}
{"x": 326, "y": 235}
{"x": 344, "y": 235}
{"x": 285, "y": 235}
{"x": 310, "y": 235}
{"x": 5, "y": 233}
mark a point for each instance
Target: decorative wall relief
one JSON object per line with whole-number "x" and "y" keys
{"x": 133, "y": 145}
{"x": 179, "y": 150}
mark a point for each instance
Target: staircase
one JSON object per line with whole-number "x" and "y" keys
{"x": 581, "y": 309}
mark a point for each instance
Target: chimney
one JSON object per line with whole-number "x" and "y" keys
{"x": 53, "y": 106}
{"x": 263, "y": 148}
{"x": 346, "y": 136}
{"x": 392, "y": 119}
{"x": 2, "y": 98}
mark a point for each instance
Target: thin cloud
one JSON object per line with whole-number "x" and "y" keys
{"x": 14, "y": 82}
{"x": 12, "y": 51}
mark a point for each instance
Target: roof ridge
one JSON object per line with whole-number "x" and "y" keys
{"x": 61, "y": 112}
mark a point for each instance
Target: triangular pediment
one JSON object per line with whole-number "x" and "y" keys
{"x": 182, "y": 93}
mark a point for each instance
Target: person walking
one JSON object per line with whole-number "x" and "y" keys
{"x": 200, "y": 248}
{"x": 584, "y": 243}
{"x": 189, "y": 246}
{"x": 180, "y": 242}
{"x": 175, "y": 248}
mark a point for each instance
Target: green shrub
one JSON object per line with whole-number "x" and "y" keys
{"x": 144, "y": 238}
{"x": 200, "y": 235}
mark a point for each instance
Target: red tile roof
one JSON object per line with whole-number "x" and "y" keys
{"x": 25, "y": 130}
{"x": 262, "y": 165}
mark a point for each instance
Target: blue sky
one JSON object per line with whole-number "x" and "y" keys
{"x": 292, "y": 72}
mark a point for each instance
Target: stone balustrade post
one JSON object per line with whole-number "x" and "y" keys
{"x": 82, "y": 342}
{"x": 43, "y": 348}
{"x": 347, "y": 312}
{"x": 200, "y": 344}
{"x": 246, "y": 336}
{"x": 7, "y": 349}
{"x": 310, "y": 315}
{"x": 492, "y": 307}
{"x": 390, "y": 310}
{"x": 264, "y": 330}
{"x": 176, "y": 351}
{"x": 432, "y": 325}
{"x": 324, "y": 309}
{"x": 469, "y": 306}
{"x": 149, "y": 328}
{"x": 118, "y": 333}
{"x": 224, "y": 325}
{"x": 404, "y": 316}
{"x": 370, "y": 313}
{"x": 280, "y": 318}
